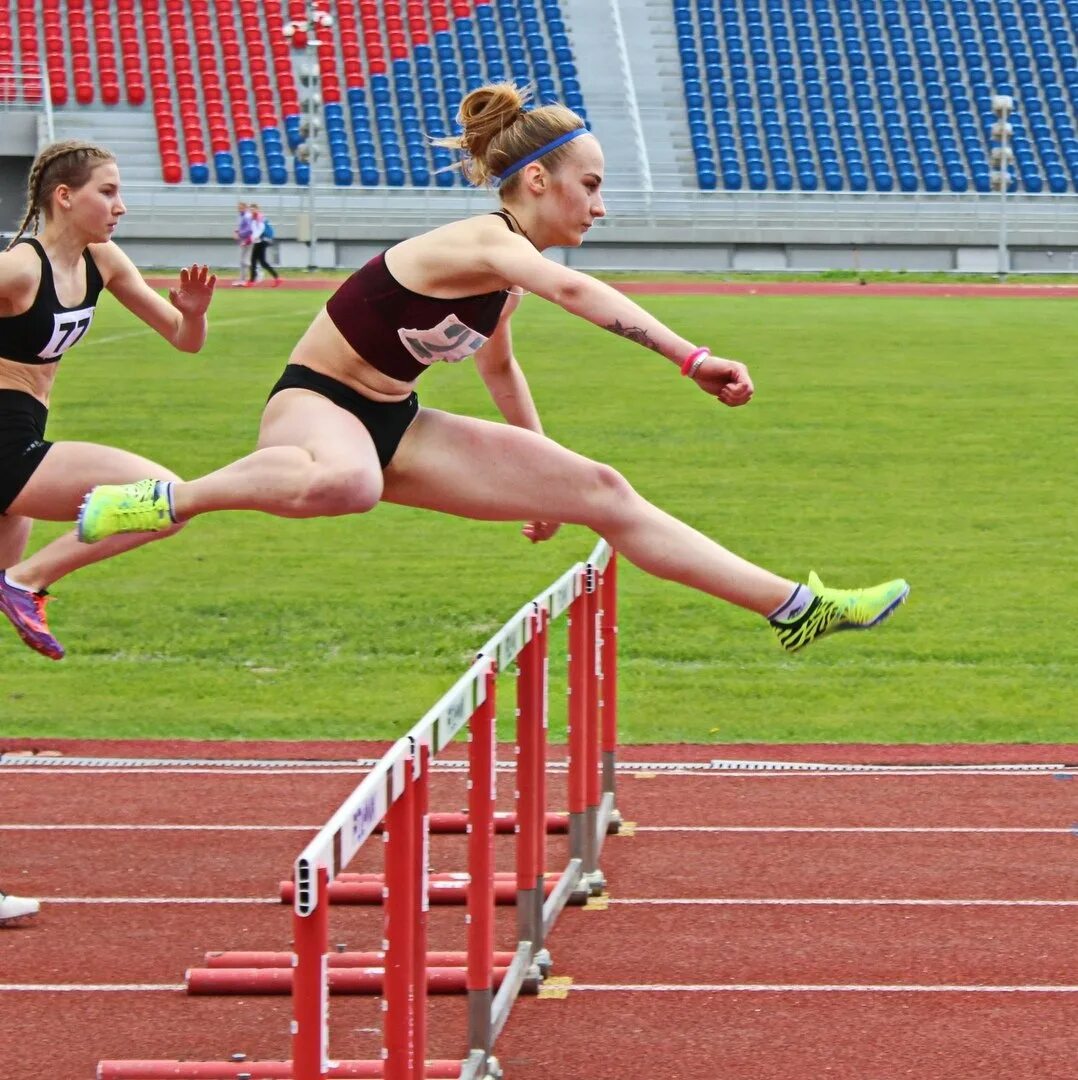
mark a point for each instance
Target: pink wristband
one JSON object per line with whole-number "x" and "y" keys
{"x": 686, "y": 364}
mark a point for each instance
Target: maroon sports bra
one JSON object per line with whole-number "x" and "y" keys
{"x": 400, "y": 332}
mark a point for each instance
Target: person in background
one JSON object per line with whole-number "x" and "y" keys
{"x": 50, "y": 282}
{"x": 242, "y": 233}
{"x": 262, "y": 235}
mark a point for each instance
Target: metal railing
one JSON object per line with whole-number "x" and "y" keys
{"x": 24, "y": 88}
{"x": 359, "y": 213}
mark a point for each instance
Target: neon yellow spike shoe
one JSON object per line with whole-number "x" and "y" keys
{"x": 840, "y": 609}
{"x": 124, "y": 508}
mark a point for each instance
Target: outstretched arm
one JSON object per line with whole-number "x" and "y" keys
{"x": 516, "y": 260}
{"x": 180, "y": 320}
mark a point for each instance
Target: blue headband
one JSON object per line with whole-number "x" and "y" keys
{"x": 536, "y": 154}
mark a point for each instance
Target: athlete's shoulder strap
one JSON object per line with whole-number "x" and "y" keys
{"x": 46, "y": 266}
{"x": 94, "y": 281}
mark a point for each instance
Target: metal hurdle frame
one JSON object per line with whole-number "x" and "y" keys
{"x": 395, "y": 795}
{"x": 588, "y": 592}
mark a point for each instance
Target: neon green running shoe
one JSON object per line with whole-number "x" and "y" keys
{"x": 840, "y": 609}
{"x": 124, "y": 508}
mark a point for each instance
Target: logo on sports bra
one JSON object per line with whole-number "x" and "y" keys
{"x": 69, "y": 327}
{"x": 450, "y": 341}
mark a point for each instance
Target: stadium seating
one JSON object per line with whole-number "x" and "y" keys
{"x": 780, "y": 95}
{"x": 399, "y": 67}
{"x": 128, "y": 22}
{"x": 882, "y": 95}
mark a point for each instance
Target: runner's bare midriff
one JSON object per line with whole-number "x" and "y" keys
{"x": 324, "y": 349}
{"x": 33, "y": 379}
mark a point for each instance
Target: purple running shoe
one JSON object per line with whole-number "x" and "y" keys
{"x": 26, "y": 610}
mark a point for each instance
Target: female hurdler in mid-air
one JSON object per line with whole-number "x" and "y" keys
{"x": 49, "y": 287}
{"x": 343, "y": 428}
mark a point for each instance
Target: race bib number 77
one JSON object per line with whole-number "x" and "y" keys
{"x": 68, "y": 328}
{"x": 450, "y": 341}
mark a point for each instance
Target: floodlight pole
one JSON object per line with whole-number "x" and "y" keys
{"x": 311, "y": 101}
{"x": 316, "y": 19}
{"x": 1002, "y": 156}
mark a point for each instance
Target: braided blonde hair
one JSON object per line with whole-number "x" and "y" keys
{"x": 499, "y": 131}
{"x": 69, "y": 162}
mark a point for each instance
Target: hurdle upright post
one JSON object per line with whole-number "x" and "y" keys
{"x": 608, "y": 604}
{"x": 402, "y": 908}
{"x": 542, "y": 705}
{"x": 421, "y": 883}
{"x": 530, "y": 811}
{"x": 310, "y": 981}
{"x": 584, "y": 795}
{"x": 482, "y": 765}
{"x": 609, "y": 820}
{"x": 593, "y": 876}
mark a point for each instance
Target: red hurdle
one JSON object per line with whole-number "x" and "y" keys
{"x": 393, "y": 799}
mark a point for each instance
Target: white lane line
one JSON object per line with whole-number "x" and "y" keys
{"x": 825, "y": 901}
{"x": 841, "y": 829}
{"x": 161, "y": 828}
{"x": 89, "y": 988}
{"x": 102, "y": 900}
{"x": 812, "y": 988}
{"x": 124, "y": 335}
{"x": 632, "y": 770}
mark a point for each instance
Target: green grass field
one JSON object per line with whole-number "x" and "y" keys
{"x": 919, "y": 437}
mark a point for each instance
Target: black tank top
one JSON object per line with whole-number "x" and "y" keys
{"x": 43, "y": 333}
{"x": 400, "y": 332}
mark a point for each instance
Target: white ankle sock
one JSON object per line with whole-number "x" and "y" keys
{"x": 793, "y": 606}
{"x": 18, "y": 584}
{"x": 168, "y": 499}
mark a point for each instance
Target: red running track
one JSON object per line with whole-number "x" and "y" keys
{"x": 759, "y": 926}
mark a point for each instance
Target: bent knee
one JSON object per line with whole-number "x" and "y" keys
{"x": 610, "y": 485}
{"x": 331, "y": 492}
{"x": 610, "y": 494}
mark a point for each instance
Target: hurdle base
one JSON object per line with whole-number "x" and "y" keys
{"x": 439, "y": 892}
{"x": 608, "y": 823}
{"x": 567, "y": 890}
{"x": 517, "y": 979}
{"x": 440, "y": 980}
{"x": 480, "y": 1066}
{"x": 505, "y": 822}
{"x": 595, "y": 882}
{"x": 342, "y": 959}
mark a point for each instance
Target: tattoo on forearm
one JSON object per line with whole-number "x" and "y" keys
{"x": 633, "y": 333}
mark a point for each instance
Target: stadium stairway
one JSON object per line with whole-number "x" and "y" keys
{"x": 129, "y": 133}
{"x": 632, "y": 73}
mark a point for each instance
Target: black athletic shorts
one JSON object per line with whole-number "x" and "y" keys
{"x": 22, "y": 442}
{"x": 387, "y": 421}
